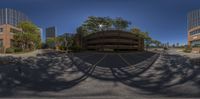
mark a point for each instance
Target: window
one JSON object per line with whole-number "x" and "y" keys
{"x": 195, "y": 43}
{"x": 1, "y": 42}
{"x": 14, "y": 30}
{"x": 12, "y": 43}
{"x": 195, "y": 32}
{"x": 1, "y": 29}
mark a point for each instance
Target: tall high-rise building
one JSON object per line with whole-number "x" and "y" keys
{"x": 193, "y": 23}
{"x": 50, "y": 32}
{"x": 9, "y": 19}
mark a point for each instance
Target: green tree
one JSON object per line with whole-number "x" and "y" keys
{"x": 95, "y": 24}
{"x": 144, "y": 35}
{"x": 29, "y": 37}
{"x": 156, "y": 42}
{"x": 120, "y": 24}
{"x": 51, "y": 43}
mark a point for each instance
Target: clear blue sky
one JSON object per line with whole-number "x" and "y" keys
{"x": 165, "y": 20}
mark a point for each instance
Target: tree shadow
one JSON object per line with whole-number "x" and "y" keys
{"x": 173, "y": 70}
{"x": 157, "y": 77}
{"x": 50, "y": 71}
{"x": 56, "y": 71}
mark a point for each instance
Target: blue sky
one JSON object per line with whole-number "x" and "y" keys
{"x": 165, "y": 20}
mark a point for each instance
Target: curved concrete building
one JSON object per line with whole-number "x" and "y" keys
{"x": 194, "y": 30}
{"x": 114, "y": 40}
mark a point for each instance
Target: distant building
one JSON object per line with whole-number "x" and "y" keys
{"x": 50, "y": 32}
{"x": 67, "y": 35}
{"x": 193, "y": 22}
{"x": 9, "y": 19}
{"x": 41, "y": 34}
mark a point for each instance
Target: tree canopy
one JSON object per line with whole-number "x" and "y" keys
{"x": 29, "y": 37}
{"x": 145, "y": 35}
{"x": 94, "y": 24}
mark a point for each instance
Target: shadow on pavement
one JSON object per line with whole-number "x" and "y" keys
{"x": 160, "y": 77}
{"x": 56, "y": 71}
{"x": 47, "y": 72}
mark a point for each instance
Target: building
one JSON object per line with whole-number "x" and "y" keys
{"x": 113, "y": 40}
{"x": 41, "y": 34}
{"x": 193, "y": 22}
{"x": 66, "y": 37}
{"x": 50, "y": 32}
{"x": 9, "y": 19}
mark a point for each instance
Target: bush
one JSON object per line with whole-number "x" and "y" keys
{"x": 165, "y": 48}
{"x": 10, "y": 50}
{"x": 187, "y": 50}
{"x": 18, "y": 49}
{"x": 62, "y": 48}
{"x": 76, "y": 48}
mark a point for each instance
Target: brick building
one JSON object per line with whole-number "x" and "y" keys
{"x": 194, "y": 30}
{"x": 9, "y": 19}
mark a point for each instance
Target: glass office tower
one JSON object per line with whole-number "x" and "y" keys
{"x": 11, "y": 17}
{"x": 50, "y": 32}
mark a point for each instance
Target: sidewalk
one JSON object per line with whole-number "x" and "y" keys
{"x": 28, "y": 54}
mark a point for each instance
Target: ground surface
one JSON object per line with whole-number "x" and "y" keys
{"x": 100, "y": 75}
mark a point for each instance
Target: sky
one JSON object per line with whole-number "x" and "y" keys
{"x": 165, "y": 20}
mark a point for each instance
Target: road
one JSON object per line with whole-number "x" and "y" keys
{"x": 61, "y": 75}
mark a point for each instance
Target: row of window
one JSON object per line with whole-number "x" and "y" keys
{"x": 12, "y": 17}
{"x": 14, "y": 30}
{"x": 11, "y": 30}
{"x": 195, "y": 32}
{"x": 194, "y": 14}
{"x": 195, "y": 43}
{"x": 193, "y": 23}
{"x": 194, "y": 19}
{"x": 11, "y": 43}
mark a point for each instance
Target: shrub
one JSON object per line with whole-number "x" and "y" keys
{"x": 10, "y": 50}
{"x": 187, "y": 50}
{"x": 18, "y": 49}
{"x": 165, "y": 48}
{"x": 76, "y": 48}
{"x": 62, "y": 48}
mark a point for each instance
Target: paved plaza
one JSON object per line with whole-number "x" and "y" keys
{"x": 100, "y": 75}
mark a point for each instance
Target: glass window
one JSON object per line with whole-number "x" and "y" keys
{"x": 14, "y": 30}
{"x": 195, "y": 43}
{"x": 12, "y": 43}
{"x": 1, "y": 29}
{"x": 1, "y": 42}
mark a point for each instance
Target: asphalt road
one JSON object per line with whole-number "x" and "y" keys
{"x": 100, "y": 76}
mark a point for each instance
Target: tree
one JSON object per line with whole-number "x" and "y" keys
{"x": 51, "y": 42}
{"x": 156, "y": 42}
{"x": 144, "y": 35}
{"x": 120, "y": 24}
{"x": 95, "y": 24}
{"x": 29, "y": 37}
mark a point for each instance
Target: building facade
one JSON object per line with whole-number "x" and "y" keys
{"x": 12, "y": 17}
{"x": 193, "y": 21}
{"x": 113, "y": 40}
{"x": 9, "y": 19}
{"x": 50, "y": 32}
